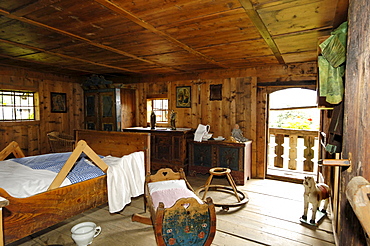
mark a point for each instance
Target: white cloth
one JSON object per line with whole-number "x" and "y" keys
{"x": 200, "y": 132}
{"x": 21, "y": 181}
{"x": 169, "y": 191}
{"x": 125, "y": 177}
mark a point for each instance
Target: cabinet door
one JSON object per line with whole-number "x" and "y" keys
{"x": 91, "y": 112}
{"x": 229, "y": 157}
{"x": 107, "y": 109}
{"x": 178, "y": 148}
{"x": 162, "y": 145}
{"x": 202, "y": 155}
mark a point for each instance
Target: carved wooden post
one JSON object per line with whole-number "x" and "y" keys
{"x": 309, "y": 142}
{"x": 3, "y": 202}
{"x": 279, "y": 150}
{"x": 293, "y": 152}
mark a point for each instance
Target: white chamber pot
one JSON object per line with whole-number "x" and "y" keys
{"x": 84, "y": 233}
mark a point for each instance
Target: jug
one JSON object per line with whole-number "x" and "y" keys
{"x": 83, "y": 233}
{"x": 201, "y": 131}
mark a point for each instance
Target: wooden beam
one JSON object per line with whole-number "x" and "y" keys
{"x": 12, "y": 148}
{"x": 81, "y": 147}
{"x": 64, "y": 56}
{"x": 257, "y": 21}
{"x": 115, "y": 8}
{"x": 3, "y": 202}
{"x": 74, "y": 36}
{"x": 289, "y": 83}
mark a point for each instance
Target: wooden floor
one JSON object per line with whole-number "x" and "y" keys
{"x": 271, "y": 217}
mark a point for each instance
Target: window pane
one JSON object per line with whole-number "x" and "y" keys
{"x": 160, "y": 108}
{"x": 8, "y": 100}
{"x": 16, "y": 105}
{"x": 8, "y": 113}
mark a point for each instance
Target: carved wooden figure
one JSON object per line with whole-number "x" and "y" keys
{"x": 314, "y": 194}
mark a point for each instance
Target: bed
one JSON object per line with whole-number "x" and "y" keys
{"x": 178, "y": 216}
{"x": 24, "y": 216}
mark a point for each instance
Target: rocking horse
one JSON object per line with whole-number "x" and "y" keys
{"x": 314, "y": 194}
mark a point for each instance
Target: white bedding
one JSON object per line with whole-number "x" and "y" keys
{"x": 21, "y": 181}
{"x": 169, "y": 191}
{"x": 125, "y": 177}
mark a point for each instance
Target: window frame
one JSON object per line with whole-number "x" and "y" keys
{"x": 163, "y": 110}
{"x": 17, "y": 97}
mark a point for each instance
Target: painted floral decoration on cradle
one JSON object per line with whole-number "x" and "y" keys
{"x": 171, "y": 241}
{"x": 201, "y": 234}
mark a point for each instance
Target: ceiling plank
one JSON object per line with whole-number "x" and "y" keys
{"x": 256, "y": 19}
{"x": 33, "y": 7}
{"x": 115, "y": 8}
{"x": 35, "y": 23}
{"x": 41, "y": 63}
{"x": 65, "y": 56}
{"x": 341, "y": 13}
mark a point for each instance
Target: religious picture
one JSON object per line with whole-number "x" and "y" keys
{"x": 183, "y": 96}
{"x": 58, "y": 102}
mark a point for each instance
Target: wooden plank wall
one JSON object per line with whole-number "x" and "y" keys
{"x": 32, "y": 135}
{"x": 244, "y": 100}
{"x": 221, "y": 115}
{"x": 356, "y": 117}
{"x": 241, "y": 102}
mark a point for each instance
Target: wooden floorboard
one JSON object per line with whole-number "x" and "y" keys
{"x": 271, "y": 217}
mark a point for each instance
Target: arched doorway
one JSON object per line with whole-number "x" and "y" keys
{"x": 293, "y": 127}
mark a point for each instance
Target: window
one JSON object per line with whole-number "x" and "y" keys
{"x": 160, "y": 108}
{"x": 294, "y": 108}
{"x": 17, "y": 105}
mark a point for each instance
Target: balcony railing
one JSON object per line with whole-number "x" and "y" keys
{"x": 293, "y": 149}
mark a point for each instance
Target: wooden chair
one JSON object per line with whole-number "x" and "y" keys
{"x": 60, "y": 142}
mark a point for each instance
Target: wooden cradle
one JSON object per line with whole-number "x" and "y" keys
{"x": 187, "y": 222}
{"x": 25, "y": 216}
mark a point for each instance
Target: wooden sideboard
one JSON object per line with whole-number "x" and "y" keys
{"x": 208, "y": 154}
{"x": 168, "y": 147}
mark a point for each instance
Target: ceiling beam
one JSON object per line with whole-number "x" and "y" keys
{"x": 64, "y": 56}
{"x": 85, "y": 40}
{"x": 257, "y": 21}
{"x": 117, "y": 9}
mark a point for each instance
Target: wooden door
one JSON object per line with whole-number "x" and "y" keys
{"x": 128, "y": 106}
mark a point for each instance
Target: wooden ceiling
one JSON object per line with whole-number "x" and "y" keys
{"x": 143, "y": 37}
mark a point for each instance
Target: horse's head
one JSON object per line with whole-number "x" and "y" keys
{"x": 309, "y": 182}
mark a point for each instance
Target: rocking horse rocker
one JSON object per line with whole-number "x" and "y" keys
{"x": 314, "y": 194}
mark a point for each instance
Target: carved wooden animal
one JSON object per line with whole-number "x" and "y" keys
{"x": 314, "y": 194}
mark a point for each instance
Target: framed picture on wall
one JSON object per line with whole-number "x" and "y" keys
{"x": 58, "y": 102}
{"x": 215, "y": 92}
{"x": 183, "y": 96}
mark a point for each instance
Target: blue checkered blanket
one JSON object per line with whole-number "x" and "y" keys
{"x": 81, "y": 171}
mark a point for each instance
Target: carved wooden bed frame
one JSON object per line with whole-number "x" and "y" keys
{"x": 162, "y": 217}
{"x": 24, "y": 216}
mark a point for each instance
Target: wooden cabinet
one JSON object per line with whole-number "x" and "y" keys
{"x": 168, "y": 147}
{"x": 103, "y": 109}
{"x": 207, "y": 154}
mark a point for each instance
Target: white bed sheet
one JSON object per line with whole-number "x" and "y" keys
{"x": 21, "y": 181}
{"x": 125, "y": 179}
{"x": 169, "y": 191}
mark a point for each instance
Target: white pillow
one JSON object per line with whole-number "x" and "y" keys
{"x": 167, "y": 184}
